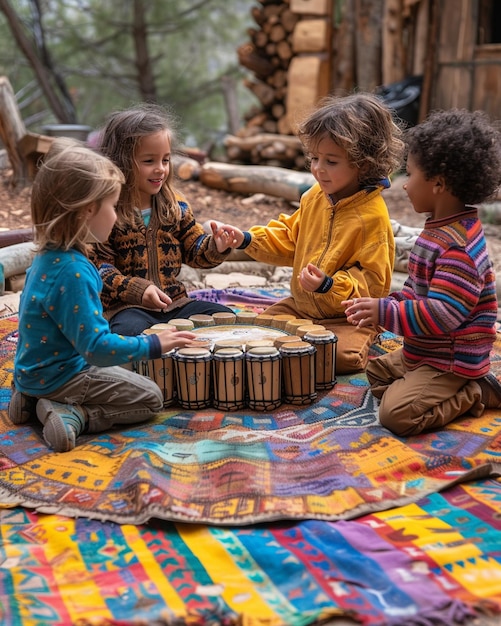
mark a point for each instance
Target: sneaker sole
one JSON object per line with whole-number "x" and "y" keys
{"x": 21, "y": 408}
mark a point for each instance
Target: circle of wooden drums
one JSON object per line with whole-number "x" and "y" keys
{"x": 234, "y": 365}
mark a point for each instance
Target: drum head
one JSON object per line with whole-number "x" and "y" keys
{"x": 241, "y": 333}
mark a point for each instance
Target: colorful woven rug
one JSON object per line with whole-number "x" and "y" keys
{"x": 329, "y": 460}
{"x": 432, "y": 563}
{"x": 433, "y": 560}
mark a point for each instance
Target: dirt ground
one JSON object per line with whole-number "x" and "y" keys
{"x": 207, "y": 203}
{"x": 243, "y": 211}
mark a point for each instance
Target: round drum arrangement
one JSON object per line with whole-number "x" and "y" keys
{"x": 244, "y": 360}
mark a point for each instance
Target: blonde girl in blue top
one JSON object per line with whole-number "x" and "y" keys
{"x": 67, "y": 363}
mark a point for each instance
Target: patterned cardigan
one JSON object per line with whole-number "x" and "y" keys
{"x": 136, "y": 256}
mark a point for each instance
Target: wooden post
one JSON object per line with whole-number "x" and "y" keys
{"x": 430, "y": 61}
{"x": 12, "y": 130}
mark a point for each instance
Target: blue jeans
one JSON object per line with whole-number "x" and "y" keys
{"x": 132, "y": 322}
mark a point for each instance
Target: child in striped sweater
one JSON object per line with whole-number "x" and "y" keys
{"x": 447, "y": 309}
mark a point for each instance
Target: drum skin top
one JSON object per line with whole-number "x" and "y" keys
{"x": 239, "y": 332}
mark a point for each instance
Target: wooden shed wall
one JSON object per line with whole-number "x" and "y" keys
{"x": 304, "y": 49}
{"x": 464, "y": 74}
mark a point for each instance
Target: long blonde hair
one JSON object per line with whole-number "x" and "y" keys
{"x": 119, "y": 140}
{"x": 71, "y": 178}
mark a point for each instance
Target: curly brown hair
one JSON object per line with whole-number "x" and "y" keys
{"x": 463, "y": 147}
{"x": 362, "y": 125}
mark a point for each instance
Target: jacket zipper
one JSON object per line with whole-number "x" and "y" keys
{"x": 321, "y": 257}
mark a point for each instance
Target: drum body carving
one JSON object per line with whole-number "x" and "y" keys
{"x": 162, "y": 372}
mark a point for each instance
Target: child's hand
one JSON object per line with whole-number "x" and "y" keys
{"x": 362, "y": 311}
{"x": 155, "y": 299}
{"x": 310, "y": 278}
{"x": 226, "y": 236}
{"x": 170, "y": 339}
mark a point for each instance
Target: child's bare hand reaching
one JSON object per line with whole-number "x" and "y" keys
{"x": 226, "y": 236}
{"x": 362, "y": 311}
{"x": 310, "y": 278}
{"x": 170, "y": 339}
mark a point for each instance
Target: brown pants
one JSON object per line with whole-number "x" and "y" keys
{"x": 352, "y": 347}
{"x": 420, "y": 399}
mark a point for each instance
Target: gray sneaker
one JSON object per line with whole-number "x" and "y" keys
{"x": 21, "y": 407}
{"x": 62, "y": 424}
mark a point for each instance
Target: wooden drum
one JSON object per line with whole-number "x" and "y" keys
{"x": 264, "y": 378}
{"x": 162, "y": 372}
{"x": 325, "y": 341}
{"x": 228, "y": 375}
{"x": 298, "y": 372}
{"x": 193, "y": 377}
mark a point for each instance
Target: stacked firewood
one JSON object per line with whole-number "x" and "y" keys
{"x": 289, "y": 56}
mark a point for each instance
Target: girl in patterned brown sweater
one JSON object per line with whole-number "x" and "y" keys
{"x": 155, "y": 231}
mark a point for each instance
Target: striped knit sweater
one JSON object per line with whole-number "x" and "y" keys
{"x": 447, "y": 309}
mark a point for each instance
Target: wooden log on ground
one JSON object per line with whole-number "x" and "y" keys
{"x": 14, "y": 260}
{"x": 263, "y": 92}
{"x": 252, "y": 60}
{"x": 17, "y": 235}
{"x": 269, "y": 148}
{"x": 274, "y": 181}
{"x": 263, "y": 139}
{"x": 185, "y": 167}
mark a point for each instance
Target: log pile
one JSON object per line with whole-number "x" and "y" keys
{"x": 289, "y": 54}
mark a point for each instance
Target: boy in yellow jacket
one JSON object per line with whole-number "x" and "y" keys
{"x": 340, "y": 240}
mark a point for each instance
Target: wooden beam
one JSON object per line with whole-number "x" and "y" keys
{"x": 12, "y": 129}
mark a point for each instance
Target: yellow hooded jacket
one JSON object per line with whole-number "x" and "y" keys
{"x": 351, "y": 241}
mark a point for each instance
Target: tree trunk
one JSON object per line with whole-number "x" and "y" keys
{"x": 39, "y": 69}
{"x": 145, "y": 76}
{"x": 344, "y": 74}
{"x": 231, "y": 103}
{"x": 393, "y": 49}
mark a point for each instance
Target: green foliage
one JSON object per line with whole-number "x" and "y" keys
{"x": 96, "y": 47}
